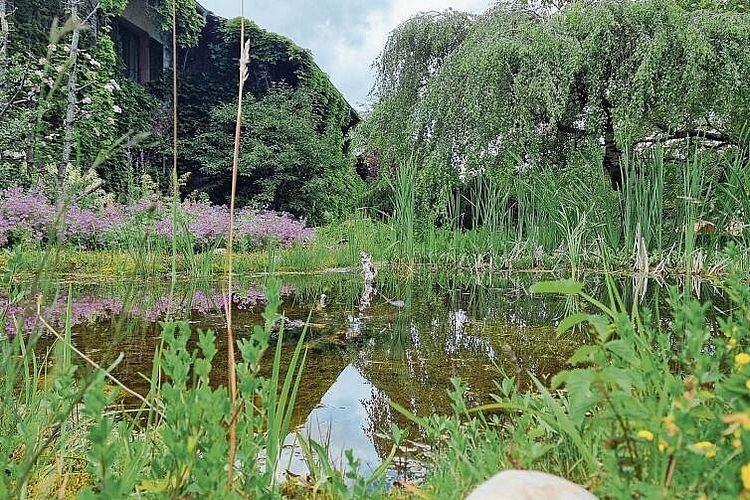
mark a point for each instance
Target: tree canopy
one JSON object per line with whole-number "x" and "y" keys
{"x": 293, "y": 154}
{"x": 516, "y": 88}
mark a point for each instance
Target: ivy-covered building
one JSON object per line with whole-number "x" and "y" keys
{"x": 144, "y": 48}
{"x": 117, "y": 117}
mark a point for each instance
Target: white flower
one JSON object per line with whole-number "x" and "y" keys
{"x": 42, "y": 61}
{"x": 116, "y": 109}
{"x": 86, "y": 100}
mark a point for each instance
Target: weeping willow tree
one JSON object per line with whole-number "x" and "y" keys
{"x": 591, "y": 80}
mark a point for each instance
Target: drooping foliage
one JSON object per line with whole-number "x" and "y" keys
{"x": 414, "y": 53}
{"x": 515, "y": 90}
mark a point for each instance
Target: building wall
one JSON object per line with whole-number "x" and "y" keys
{"x": 140, "y": 14}
{"x": 147, "y": 55}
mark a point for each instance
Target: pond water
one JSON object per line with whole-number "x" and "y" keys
{"x": 402, "y": 341}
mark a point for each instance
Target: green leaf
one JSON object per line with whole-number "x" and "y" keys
{"x": 624, "y": 350}
{"x": 602, "y": 326}
{"x": 571, "y": 321}
{"x": 580, "y": 396}
{"x": 618, "y": 377}
{"x": 583, "y": 354}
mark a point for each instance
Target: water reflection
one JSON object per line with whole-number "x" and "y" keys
{"x": 402, "y": 342}
{"x": 341, "y": 421}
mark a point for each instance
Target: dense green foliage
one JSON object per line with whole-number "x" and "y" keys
{"x": 516, "y": 91}
{"x": 286, "y": 164}
{"x": 122, "y": 130}
{"x": 189, "y": 20}
{"x": 108, "y": 123}
{"x": 294, "y": 126}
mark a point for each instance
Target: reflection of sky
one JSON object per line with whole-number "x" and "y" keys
{"x": 339, "y": 423}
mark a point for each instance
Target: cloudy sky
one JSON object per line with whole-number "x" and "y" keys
{"x": 345, "y": 36}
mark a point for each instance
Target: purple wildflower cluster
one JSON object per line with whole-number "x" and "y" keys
{"x": 24, "y": 216}
{"x": 208, "y": 224}
{"x": 83, "y": 310}
{"x": 27, "y": 216}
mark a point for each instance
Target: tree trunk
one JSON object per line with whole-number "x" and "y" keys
{"x": 612, "y": 154}
{"x": 67, "y": 146}
{"x": 4, "y": 29}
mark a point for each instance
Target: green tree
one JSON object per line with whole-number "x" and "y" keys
{"x": 288, "y": 162}
{"x": 587, "y": 82}
{"x": 414, "y": 53}
{"x": 295, "y": 124}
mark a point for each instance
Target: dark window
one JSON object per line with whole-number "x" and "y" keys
{"x": 155, "y": 60}
{"x": 130, "y": 45}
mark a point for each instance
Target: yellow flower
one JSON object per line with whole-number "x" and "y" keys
{"x": 737, "y": 420}
{"x": 647, "y": 435}
{"x": 732, "y": 343}
{"x": 745, "y": 474}
{"x": 747, "y": 384}
{"x": 741, "y": 359}
{"x": 705, "y": 448}
{"x": 663, "y": 446}
{"x": 670, "y": 426}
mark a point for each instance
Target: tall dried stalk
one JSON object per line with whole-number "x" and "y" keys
{"x": 231, "y": 373}
{"x": 175, "y": 188}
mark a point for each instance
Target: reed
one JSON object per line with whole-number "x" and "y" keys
{"x": 403, "y": 218}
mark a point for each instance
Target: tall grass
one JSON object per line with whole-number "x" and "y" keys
{"x": 642, "y": 201}
{"x": 689, "y": 210}
{"x": 403, "y": 219}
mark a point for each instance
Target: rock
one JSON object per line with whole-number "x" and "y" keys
{"x": 528, "y": 485}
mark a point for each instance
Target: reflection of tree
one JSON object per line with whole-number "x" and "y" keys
{"x": 463, "y": 333}
{"x": 408, "y": 353}
{"x": 379, "y": 424}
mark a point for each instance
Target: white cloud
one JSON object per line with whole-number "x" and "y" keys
{"x": 345, "y": 36}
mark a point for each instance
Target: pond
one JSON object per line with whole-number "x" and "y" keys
{"x": 402, "y": 341}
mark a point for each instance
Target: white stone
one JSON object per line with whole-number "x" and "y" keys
{"x": 528, "y": 485}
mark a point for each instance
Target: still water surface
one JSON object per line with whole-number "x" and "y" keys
{"x": 402, "y": 342}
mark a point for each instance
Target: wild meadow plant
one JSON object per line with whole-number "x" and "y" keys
{"x": 64, "y": 434}
{"x": 27, "y": 217}
{"x": 403, "y": 218}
